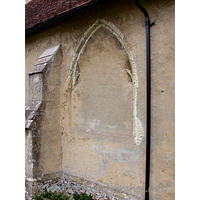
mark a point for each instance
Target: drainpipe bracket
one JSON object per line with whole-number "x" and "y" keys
{"x": 151, "y": 24}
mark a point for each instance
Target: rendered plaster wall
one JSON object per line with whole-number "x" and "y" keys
{"x": 95, "y": 118}
{"x": 42, "y": 111}
{"x": 51, "y": 154}
{"x": 101, "y": 134}
{"x": 26, "y": 135}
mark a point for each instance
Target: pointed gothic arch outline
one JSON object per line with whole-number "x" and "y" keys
{"x": 138, "y": 130}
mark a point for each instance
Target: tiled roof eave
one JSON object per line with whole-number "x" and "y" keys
{"x": 44, "y": 23}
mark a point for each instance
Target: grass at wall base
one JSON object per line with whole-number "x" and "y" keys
{"x": 54, "y": 196}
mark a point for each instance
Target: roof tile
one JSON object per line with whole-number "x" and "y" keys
{"x": 38, "y": 11}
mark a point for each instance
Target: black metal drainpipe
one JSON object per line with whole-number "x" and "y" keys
{"x": 148, "y": 119}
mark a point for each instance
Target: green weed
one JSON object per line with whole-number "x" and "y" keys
{"x": 39, "y": 198}
{"x": 50, "y": 195}
{"x": 54, "y": 196}
{"x": 82, "y": 196}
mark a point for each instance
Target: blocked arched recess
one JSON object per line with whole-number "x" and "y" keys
{"x": 138, "y": 130}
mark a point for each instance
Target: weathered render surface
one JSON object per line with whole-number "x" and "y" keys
{"x": 43, "y": 146}
{"x": 91, "y": 116}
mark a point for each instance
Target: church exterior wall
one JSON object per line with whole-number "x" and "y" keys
{"x": 93, "y": 114}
